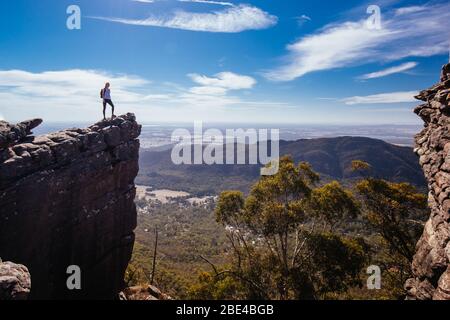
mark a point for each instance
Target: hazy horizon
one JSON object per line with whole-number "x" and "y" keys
{"x": 156, "y": 135}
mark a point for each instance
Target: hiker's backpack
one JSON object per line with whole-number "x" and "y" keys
{"x": 101, "y": 93}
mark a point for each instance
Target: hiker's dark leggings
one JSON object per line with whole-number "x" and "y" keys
{"x": 107, "y": 101}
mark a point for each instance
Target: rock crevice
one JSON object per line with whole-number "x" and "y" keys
{"x": 431, "y": 264}
{"x": 67, "y": 198}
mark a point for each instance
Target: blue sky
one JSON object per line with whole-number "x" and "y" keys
{"x": 221, "y": 61}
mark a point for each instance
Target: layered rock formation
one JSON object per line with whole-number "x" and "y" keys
{"x": 431, "y": 265}
{"x": 10, "y": 134}
{"x": 67, "y": 198}
{"x": 15, "y": 281}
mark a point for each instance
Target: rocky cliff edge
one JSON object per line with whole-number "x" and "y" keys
{"x": 67, "y": 199}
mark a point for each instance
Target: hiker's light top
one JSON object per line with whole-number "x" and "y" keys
{"x": 107, "y": 94}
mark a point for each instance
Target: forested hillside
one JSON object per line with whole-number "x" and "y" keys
{"x": 330, "y": 157}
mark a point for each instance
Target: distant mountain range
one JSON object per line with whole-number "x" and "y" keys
{"x": 330, "y": 157}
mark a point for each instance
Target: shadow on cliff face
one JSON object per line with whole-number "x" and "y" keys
{"x": 67, "y": 199}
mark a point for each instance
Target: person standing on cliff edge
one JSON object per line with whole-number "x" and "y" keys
{"x": 105, "y": 94}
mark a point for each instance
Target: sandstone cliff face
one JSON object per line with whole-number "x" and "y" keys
{"x": 431, "y": 265}
{"x": 67, "y": 198}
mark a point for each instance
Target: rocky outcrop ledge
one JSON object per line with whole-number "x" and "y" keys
{"x": 431, "y": 264}
{"x": 67, "y": 198}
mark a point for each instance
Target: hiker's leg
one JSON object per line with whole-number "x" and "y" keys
{"x": 104, "y": 110}
{"x": 112, "y": 106}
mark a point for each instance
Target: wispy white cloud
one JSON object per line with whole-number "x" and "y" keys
{"x": 407, "y": 10}
{"x": 353, "y": 43}
{"x": 335, "y": 46}
{"x": 304, "y": 17}
{"x": 68, "y": 85}
{"x": 392, "y": 70}
{"x": 74, "y": 94}
{"x": 382, "y": 98}
{"x": 214, "y": 91}
{"x": 69, "y": 94}
{"x": 230, "y": 20}
{"x": 221, "y": 3}
{"x": 221, "y": 83}
{"x": 208, "y": 90}
{"x": 301, "y": 20}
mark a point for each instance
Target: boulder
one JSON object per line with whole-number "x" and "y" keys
{"x": 15, "y": 281}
